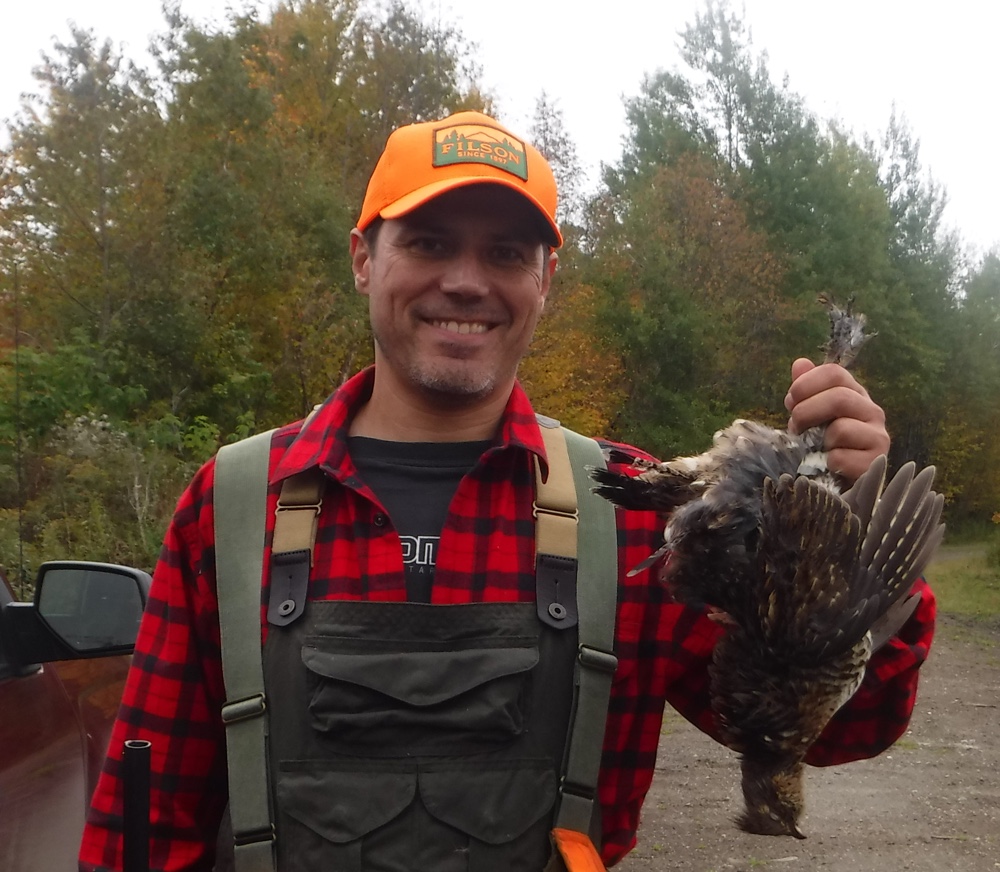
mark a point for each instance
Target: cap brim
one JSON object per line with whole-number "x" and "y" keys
{"x": 406, "y": 204}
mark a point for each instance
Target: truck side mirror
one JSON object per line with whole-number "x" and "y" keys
{"x": 80, "y": 609}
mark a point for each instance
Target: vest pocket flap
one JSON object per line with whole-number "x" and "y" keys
{"x": 343, "y": 806}
{"x": 493, "y": 805}
{"x": 421, "y": 678}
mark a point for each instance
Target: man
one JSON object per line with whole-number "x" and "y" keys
{"x": 428, "y": 456}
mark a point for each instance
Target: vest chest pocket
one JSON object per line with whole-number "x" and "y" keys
{"x": 405, "y": 701}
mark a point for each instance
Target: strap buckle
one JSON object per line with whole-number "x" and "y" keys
{"x": 294, "y": 507}
{"x": 244, "y": 709}
{"x": 559, "y": 513}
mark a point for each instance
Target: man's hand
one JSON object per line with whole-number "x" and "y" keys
{"x": 856, "y": 433}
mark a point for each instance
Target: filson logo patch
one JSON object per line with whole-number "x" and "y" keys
{"x": 476, "y": 143}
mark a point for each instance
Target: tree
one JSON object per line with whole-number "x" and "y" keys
{"x": 717, "y": 46}
{"x": 691, "y": 303}
{"x": 73, "y": 174}
{"x": 921, "y": 308}
{"x": 405, "y": 70}
{"x": 965, "y": 447}
{"x": 571, "y": 371}
{"x": 548, "y": 134}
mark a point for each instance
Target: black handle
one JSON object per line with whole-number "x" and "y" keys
{"x": 135, "y": 778}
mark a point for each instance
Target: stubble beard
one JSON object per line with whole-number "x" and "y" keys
{"x": 452, "y": 385}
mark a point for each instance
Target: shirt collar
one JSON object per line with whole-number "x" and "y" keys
{"x": 322, "y": 437}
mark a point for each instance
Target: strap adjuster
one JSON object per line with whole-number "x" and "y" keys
{"x": 244, "y": 709}
{"x": 548, "y": 510}
{"x": 578, "y": 790}
{"x": 594, "y": 658}
{"x": 253, "y": 837}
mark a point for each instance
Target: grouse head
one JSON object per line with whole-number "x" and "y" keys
{"x": 773, "y": 799}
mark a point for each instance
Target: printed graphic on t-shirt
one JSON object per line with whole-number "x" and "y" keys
{"x": 420, "y": 553}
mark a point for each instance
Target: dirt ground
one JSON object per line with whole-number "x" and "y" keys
{"x": 931, "y": 803}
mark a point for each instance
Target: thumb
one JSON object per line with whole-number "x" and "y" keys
{"x": 801, "y": 366}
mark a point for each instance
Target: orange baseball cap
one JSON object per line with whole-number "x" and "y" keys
{"x": 422, "y": 161}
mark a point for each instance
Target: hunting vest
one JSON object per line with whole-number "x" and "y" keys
{"x": 389, "y": 737}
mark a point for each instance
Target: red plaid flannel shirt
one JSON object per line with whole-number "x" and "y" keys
{"x": 175, "y": 690}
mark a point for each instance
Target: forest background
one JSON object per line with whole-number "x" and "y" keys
{"x": 174, "y": 271}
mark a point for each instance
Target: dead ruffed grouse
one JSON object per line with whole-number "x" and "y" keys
{"x": 805, "y": 579}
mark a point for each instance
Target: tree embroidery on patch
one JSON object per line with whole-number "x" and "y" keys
{"x": 478, "y": 143}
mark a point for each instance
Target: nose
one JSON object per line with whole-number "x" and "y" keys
{"x": 465, "y": 274}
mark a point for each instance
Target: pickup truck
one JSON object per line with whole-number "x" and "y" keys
{"x": 63, "y": 661}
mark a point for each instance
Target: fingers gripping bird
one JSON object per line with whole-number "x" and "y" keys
{"x": 806, "y": 580}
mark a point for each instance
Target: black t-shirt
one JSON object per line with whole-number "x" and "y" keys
{"x": 415, "y": 481}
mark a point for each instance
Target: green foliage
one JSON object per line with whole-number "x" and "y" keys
{"x": 202, "y": 438}
{"x": 72, "y": 378}
{"x": 964, "y": 439}
{"x": 692, "y": 303}
{"x": 173, "y": 249}
{"x": 97, "y": 491}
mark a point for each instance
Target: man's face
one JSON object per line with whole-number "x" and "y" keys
{"x": 455, "y": 290}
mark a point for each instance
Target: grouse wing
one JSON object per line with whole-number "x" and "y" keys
{"x": 831, "y": 566}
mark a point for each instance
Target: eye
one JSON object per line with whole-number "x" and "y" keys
{"x": 427, "y": 245}
{"x": 513, "y": 253}
{"x": 507, "y": 254}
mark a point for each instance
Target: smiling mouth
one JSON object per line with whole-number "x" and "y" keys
{"x": 462, "y": 327}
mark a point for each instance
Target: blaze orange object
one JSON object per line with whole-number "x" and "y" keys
{"x": 577, "y": 851}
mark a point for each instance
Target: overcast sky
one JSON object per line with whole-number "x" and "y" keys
{"x": 850, "y": 60}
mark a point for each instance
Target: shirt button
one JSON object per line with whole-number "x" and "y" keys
{"x": 380, "y": 519}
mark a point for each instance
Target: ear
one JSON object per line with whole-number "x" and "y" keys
{"x": 361, "y": 260}
{"x": 548, "y": 270}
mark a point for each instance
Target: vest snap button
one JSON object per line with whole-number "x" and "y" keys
{"x": 557, "y": 611}
{"x": 286, "y": 608}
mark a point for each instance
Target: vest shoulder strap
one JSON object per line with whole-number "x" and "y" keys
{"x": 240, "y": 507}
{"x": 571, "y": 456}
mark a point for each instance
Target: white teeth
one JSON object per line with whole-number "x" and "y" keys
{"x": 461, "y": 327}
